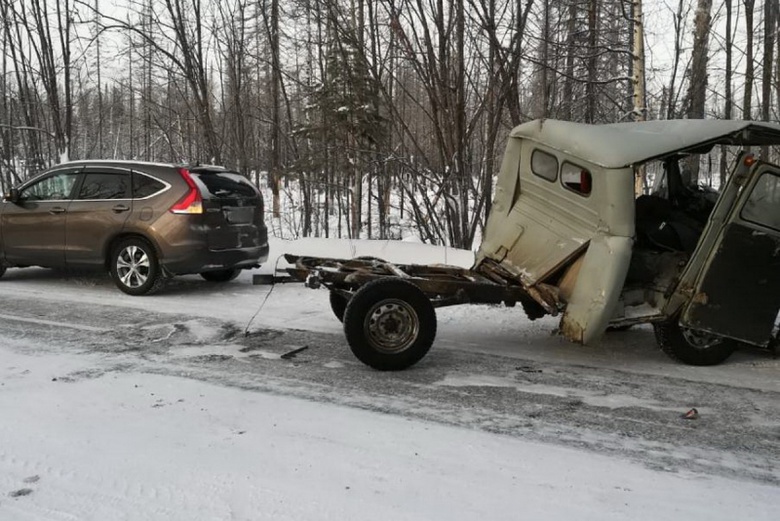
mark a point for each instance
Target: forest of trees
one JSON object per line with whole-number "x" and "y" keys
{"x": 358, "y": 113}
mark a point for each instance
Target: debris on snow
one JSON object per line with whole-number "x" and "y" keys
{"x": 291, "y": 354}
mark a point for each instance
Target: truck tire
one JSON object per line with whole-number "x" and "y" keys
{"x": 2, "y": 270}
{"x": 338, "y": 303}
{"x": 692, "y": 347}
{"x": 390, "y": 324}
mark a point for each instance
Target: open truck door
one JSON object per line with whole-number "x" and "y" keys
{"x": 737, "y": 292}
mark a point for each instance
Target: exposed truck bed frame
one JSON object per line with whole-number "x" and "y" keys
{"x": 444, "y": 285}
{"x": 388, "y": 309}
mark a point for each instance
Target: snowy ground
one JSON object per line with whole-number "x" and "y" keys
{"x": 113, "y": 407}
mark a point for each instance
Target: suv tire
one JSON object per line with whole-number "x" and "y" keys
{"x": 135, "y": 267}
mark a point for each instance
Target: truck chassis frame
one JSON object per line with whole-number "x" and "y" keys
{"x": 388, "y": 309}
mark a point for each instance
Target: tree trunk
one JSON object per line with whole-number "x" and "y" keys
{"x": 276, "y": 158}
{"x": 747, "y": 100}
{"x": 638, "y": 81}
{"x": 728, "y": 105}
{"x": 544, "y": 59}
{"x": 671, "y": 105}
{"x": 770, "y": 27}
{"x": 568, "y": 82}
{"x": 592, "y": 61}
{"x": 697, "y": 88}
{"x": 99, "y": 151}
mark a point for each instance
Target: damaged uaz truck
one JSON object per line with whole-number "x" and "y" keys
{"x": 567, "y": 236}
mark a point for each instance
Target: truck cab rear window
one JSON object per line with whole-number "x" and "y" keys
{"x": 576, "y": 178}
{"x": 544, "y": 165}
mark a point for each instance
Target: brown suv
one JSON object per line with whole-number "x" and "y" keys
{"x": 144, "y": 222}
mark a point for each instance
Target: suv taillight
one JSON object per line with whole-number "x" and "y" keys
{"x": 191, "y": 202}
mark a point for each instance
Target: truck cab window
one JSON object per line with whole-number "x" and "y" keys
{"x": 763, "y": 206}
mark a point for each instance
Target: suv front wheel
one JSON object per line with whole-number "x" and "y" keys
{"x": 135, "y": 268}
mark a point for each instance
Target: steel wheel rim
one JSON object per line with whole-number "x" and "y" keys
{"x": 700, "y": 340}
{"x": 391, "y": 326}
{"x": 133, "y": 267}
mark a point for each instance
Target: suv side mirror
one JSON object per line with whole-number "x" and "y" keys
{"x": 12, "y": 196}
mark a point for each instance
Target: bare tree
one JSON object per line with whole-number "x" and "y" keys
{"x": 50, "y": 48}
{"x": 638, "y": 62}
{"x": 592, "y": 61}
{"x": 98, "y": 143}
{"x": 728, "y": 101}
{"x": 672, "y": 94}
{"x": 770, "y": 30}
{"x": 234, "y": 42}
{"x": 23, "y": 120}
{"x": 697, "y": 85}
{"x": 178, "y": 38}
{"x": 364, "y": 116}
{"x": 276, "y": 75}
{"x": 747, "y": 100}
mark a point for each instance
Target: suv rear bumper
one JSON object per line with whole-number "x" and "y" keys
{"x": 213, "y": 260}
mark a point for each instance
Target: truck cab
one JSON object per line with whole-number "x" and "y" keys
{"x": 702, "y": 265}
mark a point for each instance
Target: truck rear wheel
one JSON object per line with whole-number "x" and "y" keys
{"x": 690, "y": 346}
{"x": 390, "y": 324}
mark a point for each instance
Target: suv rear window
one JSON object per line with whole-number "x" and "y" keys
{"x": 226, "y": 185}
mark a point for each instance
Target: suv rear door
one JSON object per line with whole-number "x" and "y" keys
{"x": 97, "y": 213}
{"x": 737, "y": 293}
{"x": 233, "y": 208}
{"x": 33, "y": 227}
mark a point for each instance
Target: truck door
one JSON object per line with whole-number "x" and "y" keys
{"x": 737, "y": 293}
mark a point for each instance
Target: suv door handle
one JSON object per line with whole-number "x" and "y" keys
{"x": 56, "y": 210}
{"x": 120, "y": 208}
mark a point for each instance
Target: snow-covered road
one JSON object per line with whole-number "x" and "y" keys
{"x": 149, "y": 447}
{"x": 114, "y": 407}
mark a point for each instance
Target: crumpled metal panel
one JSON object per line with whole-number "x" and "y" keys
{"x": 598, "y": 288}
